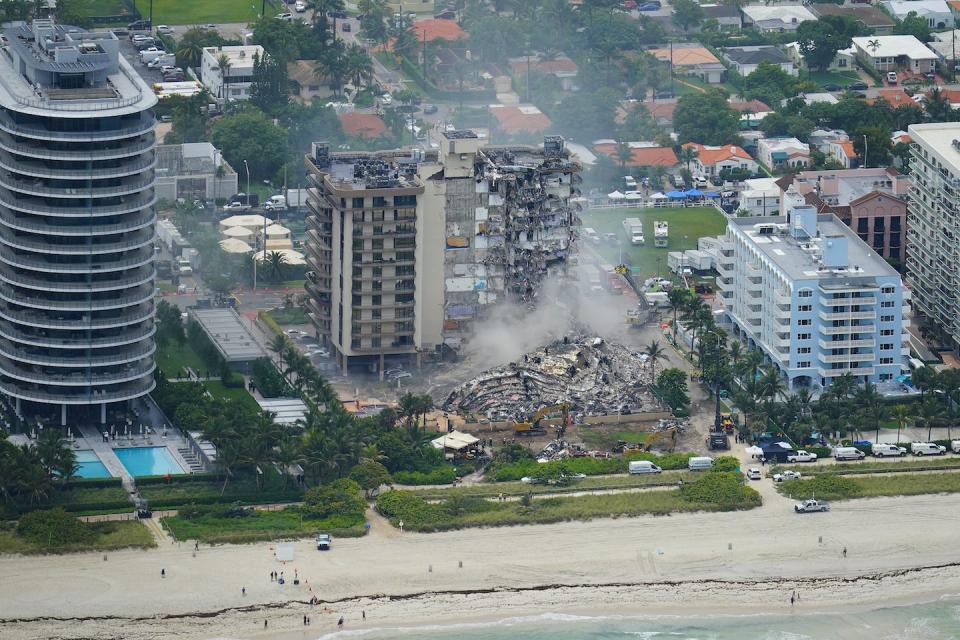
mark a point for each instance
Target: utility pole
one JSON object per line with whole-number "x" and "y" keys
{"x": 671, "y": 69}
{"x": 865, "y": 164}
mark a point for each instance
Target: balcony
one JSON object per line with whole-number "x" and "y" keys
{"x": 848, "y": 357}
{"x": 135, "y": 278}
{"x": 131, "y": 204}
{"x": 144, "y": 125}
{"x": 126, "y": 373}
{"x": 138, "y": 296}
{"x": 847, "y": 344}
{"x": 82, "y": 341}
{"x": 835, "y": 373}
{"x": 136, "y": 258}
{"x": 51, "y": 321}
{"x": 39, "y": 393}
{"x": 16, "y": 164}
{"x": 783, "y": 297}
{"x": 847, "y": 315}
{"x": 38, "y": 187}
{"x": 129, "y": 242}
{"x": 27, "y": 223}
{"x": 92, "y": 359}
{"x": 136, "y": 147}
{"x": 846, "y": 302}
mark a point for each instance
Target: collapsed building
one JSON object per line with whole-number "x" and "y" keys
{"x": 408, "y": 250}
{"x": 590, "y": 375}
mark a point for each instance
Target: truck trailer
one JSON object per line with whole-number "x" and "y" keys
{"x": 661, "y": 233}
{"x": 633, "y": 230}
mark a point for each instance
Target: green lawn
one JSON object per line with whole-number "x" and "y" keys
{"x": 109, "y": 535}
{"x": 95, "y": 8}
{"x": 175, "y": 357}
{"x": 217, "y": 390}
{"x": 200, "y": 13}
{"x": 842, "y": 78}
{"x": 258, "y": 525}
{"x": 686, "y": 226}
{"x": 830, "y": 487}
{"x": 241, "y": 489}
{"x": 601, "y": 439}
{"x": 295, "y": 315}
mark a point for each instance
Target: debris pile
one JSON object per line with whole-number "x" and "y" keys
{"x": 592, "y": 376}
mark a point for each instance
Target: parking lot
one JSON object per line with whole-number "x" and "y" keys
{"x": 129, "y": 51}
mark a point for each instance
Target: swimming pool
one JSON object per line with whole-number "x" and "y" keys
{"x": 148, "y": 461}
{"x": 89, "y": 465}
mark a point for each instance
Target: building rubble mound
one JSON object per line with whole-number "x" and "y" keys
{"x": 591, "y": 375}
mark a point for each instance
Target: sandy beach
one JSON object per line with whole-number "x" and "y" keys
{"x": 899, "y": 550}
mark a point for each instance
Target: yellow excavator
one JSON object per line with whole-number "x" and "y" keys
{"x": 532, "y": 426}
{"x": 659, "y": 436}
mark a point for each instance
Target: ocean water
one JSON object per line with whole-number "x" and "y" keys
{"x": 934, "y": 621}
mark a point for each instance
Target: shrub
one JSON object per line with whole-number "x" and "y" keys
{"x": 726, "y": 463}
{"x": 370, "y": 475}
{"x": 338, "y": 498}
{"x": 440, "y": 475}
{"x": 269, "y": 382}
{"x": 721, "y": 488}
{"x": 270, "y": 323}
{"x": 53, "y": 528}
{"x": 411, "y": 509}
{"x": 826, "y": 486}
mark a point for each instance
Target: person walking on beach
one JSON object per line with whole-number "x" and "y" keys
{"x": 844, "y": 552}
{"x": 304, "y": 620}
{"x": 364, "y": 615}
{"x": 163, "y": 573}
{"x": 243, "y": 591}
{"x": 792, "y": 598}
{"x": 340, "y": 622}
{"x": 264, "y": 623}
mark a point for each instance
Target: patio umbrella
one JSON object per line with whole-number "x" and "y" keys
{"x": 616, "y": 195}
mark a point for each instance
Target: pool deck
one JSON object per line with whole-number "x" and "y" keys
{"x": 93, "y": 439}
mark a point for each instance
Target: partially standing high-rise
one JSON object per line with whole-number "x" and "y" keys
{"x": 76, "y": 224}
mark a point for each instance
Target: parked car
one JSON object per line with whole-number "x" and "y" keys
{"x": 881, "y": 449}
{"x": 650, "y": 6}
{"x": 802, "y": 456}
{"x": 892, "y": 77}
{"x": 284, "y": 16}
{"x": 324, "y": 542}
{"x": 295, "y": 332}
{"x": 234, "y": 206}
{"x": 300, "y": 6}
{"x": 859, "y": 85}
{"x": 927, "y": 449}
{"x": 663, "y": 94}
{"x": 754, "y": 474}
{"x": 810, "y": 506}
{"x": 848, "y": 453}
{"x": 164, "y": 29}
{"x": 401, "y": 374}
{"x": 716, "y": 181}
{"x": 832, "y": 87}
{"x": 386, "y": 99}
{"x": 139, "y": 25}
{"x": 173, "y": 76}
{"x": 430, "y": 108}
{"x": 347, "y": 28}
{"x": 786, "y": 475}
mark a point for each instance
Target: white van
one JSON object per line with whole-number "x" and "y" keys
{"x": 955, "y": 446}
{"x": 700, "y": 463}
{"x": 882, "y": 449}
{"x": 848, "y": 453}
{"x": 591, "y": 235}
{"x": 643, "y": 466}
{"x": 926, "y": 449}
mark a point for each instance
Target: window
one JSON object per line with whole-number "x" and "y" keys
{"x": 886, "y": 360}
{"x": 804, "y": 323}
{"x": 878, "y": 241}
{"x": 886, "y": 346}
{"x": 886, "y": 376}
{"x": 805, "y": 293}
{"x": 803, "y": 336}
{"x": 887, "y": 304}
{"x": 803, "y": 364}
{"x": 376, "y": 301}
{"x": 379, "y": 201}
{"x": 888, "y": 290}
{"x": 886, "y": 318}
{"x": 895, "y": 252}
{"x": 879, "y": 224}
{"x": 895, "y": 223}
{"x": 886, "y": 332}
{"x": 802, "y": 350}
{"x": 805, "y": 307}
{"x": 357, "y": 203}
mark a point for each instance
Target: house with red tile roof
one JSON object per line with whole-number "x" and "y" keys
{"x": 433, "y": 29}
{"x": 642, "y": 154}
{"x": 517, "y": 119}
{"x": 711, "y": 160}
{"x": 560, "y": 67}
{"x": 842, "y": 151}
{"x": 894, "y": 97}
{"x": 363, "y": 125}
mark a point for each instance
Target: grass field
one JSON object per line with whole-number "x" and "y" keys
{"x": 109, "y": 535}
{"x": 873, "y": 466}
{"x": 830, "y": 487}
{"x": 842, "y": 78}
{"x": 217, "y": 390}
{"x": 602, "y": 439}
{"x": 241, "y": 490}
{"x": 597, "y": 483}
{"x": 686, "y": 226}
{"x": 200, "y": 13}
{"x": 176, "y": 357}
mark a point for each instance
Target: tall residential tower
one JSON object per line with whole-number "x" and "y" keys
{"x": 76, "y": 224}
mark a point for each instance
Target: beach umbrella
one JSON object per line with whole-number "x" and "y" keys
{"x": 616, "y": 195}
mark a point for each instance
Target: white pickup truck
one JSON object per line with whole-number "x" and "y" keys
{"x": 802, "y": 456}
{"x": 811, "y": 506}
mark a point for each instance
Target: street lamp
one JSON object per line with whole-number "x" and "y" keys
{"x": 716, "y": 379}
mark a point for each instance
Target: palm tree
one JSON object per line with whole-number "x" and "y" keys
{"x": 280, "y": 345}
{"x": 678, "y": 298}
{"x": 901, "y": 413}
{"x": 687, "y": 155}
{"x": 357, "y": 66}
{"x": 330, "y": 67}
{"x": 624, "y": 154}
{"x": 223, "y": 68}
{"x": 771, "y": 384}
{"x": 871, "y": 406}
{"x": 874, "y": 45}
{"x": 924, "y": 378}
{"x": 276, "y": 264}
{"x": 190, "y": 48}
{"x": 654, "y": 353}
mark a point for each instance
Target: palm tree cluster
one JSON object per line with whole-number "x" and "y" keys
{"x": 29, "y": 473}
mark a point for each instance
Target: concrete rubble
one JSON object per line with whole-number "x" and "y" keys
{"x": 593, "y": 376}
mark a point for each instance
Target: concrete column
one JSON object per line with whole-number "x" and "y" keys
{"x": 18, "y": 408}
{"x": 63, "y": 415}
{"x": 103, "y": 413}
{"x": 381, "y": 367}
{"x": 419, "y": 359}
{"x": 344, "y": 360}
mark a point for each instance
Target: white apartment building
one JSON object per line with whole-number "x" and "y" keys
{"x": 933, "y": 226}
{"x": 817, "y": 300}
{"x": 233, "y": 82}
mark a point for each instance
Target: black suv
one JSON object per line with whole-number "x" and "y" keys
{"x": 140, "y": 25}
{"x": 857, "y": 86}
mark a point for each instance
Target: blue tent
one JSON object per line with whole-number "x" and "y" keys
{"x": 676, "y": 195}
{"x": 695, "y": 193}
{"x": 712, "y": 194}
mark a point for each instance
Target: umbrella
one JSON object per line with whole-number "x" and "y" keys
{"x": 677, "y": 195}
{"x": 616, "y": 195}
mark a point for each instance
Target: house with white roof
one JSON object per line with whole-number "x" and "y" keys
{"x": 780, "y": 153}
{"x": 936, "y": 12}
{"x": 895, "y": 53}
{"x": 776, "y": 18}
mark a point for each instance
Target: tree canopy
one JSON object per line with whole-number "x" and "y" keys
{"x": 706, "y": 118}
{"x": 821, "y": 39}
{"x": 252, "y": 136}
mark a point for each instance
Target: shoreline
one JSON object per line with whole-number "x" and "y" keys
{"x": 903, "y": 551}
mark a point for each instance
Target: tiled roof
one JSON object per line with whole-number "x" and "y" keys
{"x": 363, "y": 125}
{"x": 712, "y": 155}
{"x": 520, "y": 118}
{"x": 641, "y": 156}
{"x": 685, "y": 56}
{"x": 432, "y": 29}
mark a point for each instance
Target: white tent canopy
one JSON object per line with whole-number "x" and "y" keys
{"x": 292, "y": 257}
{"x": 238, "y": 232}
{"x": 616, "y": 195}
{"x": 659, "y": 196}
{"x": 277, "y": 231}
{"x": 252, "y": 221}
{"x": 455, "y": 440}
{"x": 235, "y": 245}
{"x": 633, "y": 195}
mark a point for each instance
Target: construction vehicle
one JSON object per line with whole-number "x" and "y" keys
{"x": 627, "y": 447}
{"x": 532, "y": 425}
{"x": 718, "y": 439}
{"x": 726, "y": 423}
{"x": 658, "y": 436}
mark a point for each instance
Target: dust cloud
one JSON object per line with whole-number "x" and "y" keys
{"x": 562, "y": 306}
